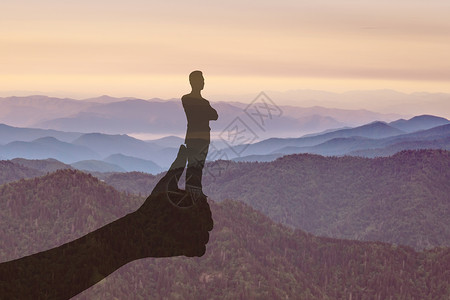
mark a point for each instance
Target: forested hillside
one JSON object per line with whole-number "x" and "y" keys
{"x": 44, "y": 212}
{"x": 403, "y": 199}
{"x": 43, "y": 165}
{"x": 10, "y": 171}
{"x": 248, "y": 256}
{"x": 132, "y": 182}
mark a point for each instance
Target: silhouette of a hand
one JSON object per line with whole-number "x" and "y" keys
{"x": 157, "y": 229}
{"x": 173, "y": 230}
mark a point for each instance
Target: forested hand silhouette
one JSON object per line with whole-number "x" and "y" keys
{"x": 157, "y": 229}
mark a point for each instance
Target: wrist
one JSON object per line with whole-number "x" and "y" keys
{"x": 121, "y": 237}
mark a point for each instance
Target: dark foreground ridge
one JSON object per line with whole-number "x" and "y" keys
{"x": 157, "y": 229}
{"x": 248, "y": 255}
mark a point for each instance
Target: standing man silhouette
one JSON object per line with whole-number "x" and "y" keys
{"x": 198, "y": 114}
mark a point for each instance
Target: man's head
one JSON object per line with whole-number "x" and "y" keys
{"x": 196, "y": 80}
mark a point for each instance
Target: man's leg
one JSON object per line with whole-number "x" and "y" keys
{"x": 177, "y": 168}
{"x": 197, "y": 152}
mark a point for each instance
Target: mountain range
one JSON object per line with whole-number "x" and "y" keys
{"x": 342, "y": 204}
{"x": 130, "y": 154}
{"x": 374, "y": 139}
{"x": 118, "y": 163}
{"x": 435, "y": 138}
{"x": 47, "y": 147}
{"x": 42, "y": 165}
{"x": 166, "y": 117}
{"x": 401, "y": 199}
{"x": 120, "y": 152}
{"x": 10, "y": 134}
{"x": 248, "y": 255}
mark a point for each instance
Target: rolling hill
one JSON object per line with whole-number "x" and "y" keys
{"x": 391, "y": 149}
{"x": 43, "y": 165}
{"x": 134, "y": 164}
{"x": 108, "y": 145}
{"x": 374, "y": 130}
{"x": 10, "y": 134}
{"x": 360, "y": 142}
{"x": 92, "y": 165}
{"x": 401, "y": 199}
{"x": 132, "y": 182}
{"x": 168, "y": 141}
{"x": 10, "y": 171}
{"x": 44, "y": 212}
{"x": 417, "y": 123}
{"x": 434, "y": 138}
{"x": 47, "y": 147}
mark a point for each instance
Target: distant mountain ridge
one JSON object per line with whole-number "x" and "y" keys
{"x": 372, "y": 130}
{"x": 92, "y": 165}
{"x": 47, "y": 147}
{"x": 92, "y": 146}
{"x": 168, "y": 141}
{"x": 26, "y": 111}
{"x": 417, "y": 123}
{"x": 130, "y": 115}
{"x": 134, "y": 164}
{"x": 371, "y": 140}
{"x": 44, "y": 166}
{"x": 10, "y": 134}
{"x": 434, "y": 138}
{"x": 354, "y": 141}
{"x": 111, "y": 144}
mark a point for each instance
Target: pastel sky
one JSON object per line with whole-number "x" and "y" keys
{"x": 147, "y": 48}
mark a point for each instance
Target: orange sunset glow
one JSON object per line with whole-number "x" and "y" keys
{"x": 147, "y": 48}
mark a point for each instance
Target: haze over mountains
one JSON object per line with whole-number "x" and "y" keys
{"x": 88, "y": 132}
{"x": 165, "y": 117}
{"x": 130, "y": 153}
{"x": 120, "y": 152}
{"x": 384, "y": 101}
